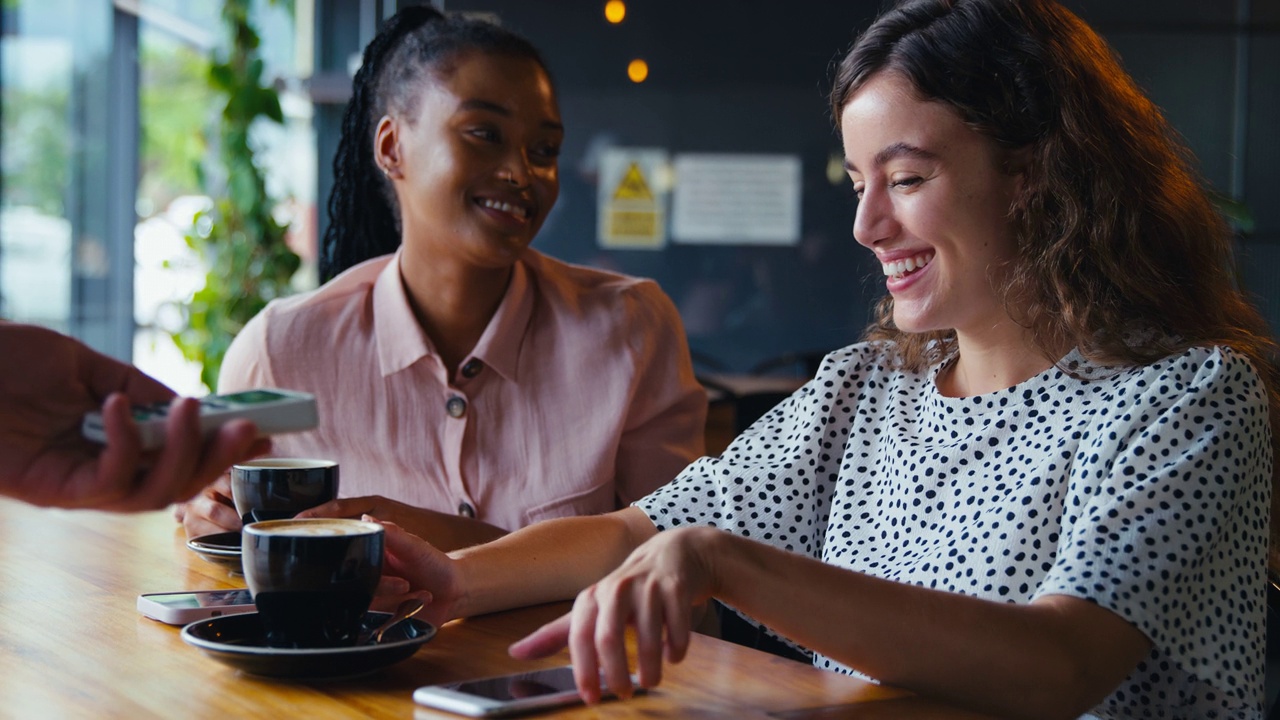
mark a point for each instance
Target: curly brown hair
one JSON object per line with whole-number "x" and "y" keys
{"x": 1120, "y": 250}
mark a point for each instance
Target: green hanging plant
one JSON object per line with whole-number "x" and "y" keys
{"x": 239, "y": 238}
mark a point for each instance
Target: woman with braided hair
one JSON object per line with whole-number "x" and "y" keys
{"x": 467, "y": 384}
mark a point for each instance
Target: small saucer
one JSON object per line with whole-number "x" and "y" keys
{"x": 240, "y": 641}
{"x": 222, "y": 548}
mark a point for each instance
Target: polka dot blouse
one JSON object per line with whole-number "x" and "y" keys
{"x": 1143, "y": 490}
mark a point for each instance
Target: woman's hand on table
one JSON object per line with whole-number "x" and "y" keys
{"x": 211, "y": 511}
{"x": 412, "y": 568}
{"x": 442, "y": 530}
{"x": 655, "y": 590}
{"x": 385, "y": 509}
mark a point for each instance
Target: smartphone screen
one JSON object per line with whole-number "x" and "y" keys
{"x": 518, "y": 687}
{"x": 246, "y": 397}
{"x": 204, "y": 599}
{"x": 180, "y": 608}
{"x": 231, "y": 401}
{"x": 506, "y": 695}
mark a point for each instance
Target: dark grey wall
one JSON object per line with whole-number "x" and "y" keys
{"x": 745, "y": 76}
{"x": 1261, "y": 248}
{"x": 1186, "y": 54}
{"x": 749, "y": 76}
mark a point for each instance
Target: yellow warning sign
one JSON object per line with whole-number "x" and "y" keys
{"x": 636, "y": 225}
{"x": 633, "y": 186}
{"x": 632, "y": 198}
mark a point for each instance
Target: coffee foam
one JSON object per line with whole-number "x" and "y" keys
{"x": 288, "y": 463}
{"x": 313, "y": 527}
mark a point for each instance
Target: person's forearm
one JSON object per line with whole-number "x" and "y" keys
{"x": 1039, "y": 660}
{"x": 547, "y": 561}
{"x": 451, "y": 532}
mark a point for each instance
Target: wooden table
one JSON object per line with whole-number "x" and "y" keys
{"x": 73, "y": 645}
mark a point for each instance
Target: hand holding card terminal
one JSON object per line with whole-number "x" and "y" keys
{"x": 272, "y": 410}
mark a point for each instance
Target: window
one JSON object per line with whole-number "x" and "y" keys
{"x": 63, "y": 262}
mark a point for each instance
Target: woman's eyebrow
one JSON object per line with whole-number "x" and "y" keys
{"x": 485, "y": 105}
{"x": 893, "y": 152}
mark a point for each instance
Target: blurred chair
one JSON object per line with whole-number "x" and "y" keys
{"x": 736, "y": 401}
{"x": 736, "y": 630}
{"x": 752, "y": 394}
{"x": 801, "y": 364}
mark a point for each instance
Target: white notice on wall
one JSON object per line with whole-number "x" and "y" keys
{"x": 736, "y": 199}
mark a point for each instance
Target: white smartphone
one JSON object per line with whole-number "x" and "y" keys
{"x": 503, "y": 695}
{"x": 272, "y": 410}
{"x": 180, "y": 608}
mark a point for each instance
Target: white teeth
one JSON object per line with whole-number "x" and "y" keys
{"x": 517, "y": 210}
{"x": 899, "y": 268}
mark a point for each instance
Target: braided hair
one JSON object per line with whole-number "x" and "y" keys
{"x": 364, "y": 218}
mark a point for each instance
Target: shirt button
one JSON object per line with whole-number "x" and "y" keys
{"x": 465, "y": 510}
{"x": 456, "y": 407}
{"x": 472, "y": 368}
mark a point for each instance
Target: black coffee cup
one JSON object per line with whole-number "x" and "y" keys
{"x": 312, "y": 579}
{"x": 279, "y": 488}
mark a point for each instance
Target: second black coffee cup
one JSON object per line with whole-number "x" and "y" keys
{"x": 279, "y": 488}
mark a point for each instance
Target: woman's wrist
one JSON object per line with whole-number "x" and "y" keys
{"x": 456, "y": 597}
{"x": 713, "y": 550}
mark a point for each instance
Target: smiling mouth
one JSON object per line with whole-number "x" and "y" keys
{"x": 517, "y": 211}
{"x": 902, "y": 268}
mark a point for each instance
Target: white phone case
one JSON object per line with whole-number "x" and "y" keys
{"x": 180, "y": 608}
{"x": 271, "y": 409}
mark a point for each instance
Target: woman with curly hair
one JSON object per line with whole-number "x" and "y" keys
{"x": 1040, "y": 486}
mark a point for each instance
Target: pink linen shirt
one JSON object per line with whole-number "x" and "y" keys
{"x": 579, "y": 397}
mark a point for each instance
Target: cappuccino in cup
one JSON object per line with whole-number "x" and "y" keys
{"x": 313, "y": 579}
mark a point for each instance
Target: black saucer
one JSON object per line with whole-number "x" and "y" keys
{"x": 222, "y": 548}
{"x": 239, "y": 641}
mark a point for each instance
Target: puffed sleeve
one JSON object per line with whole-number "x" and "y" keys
{"x": 247, "y": 363}
{"x": 1165, "y": 517}
{"x": 666, "y": 418}
{"x": 775, "y": 481}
